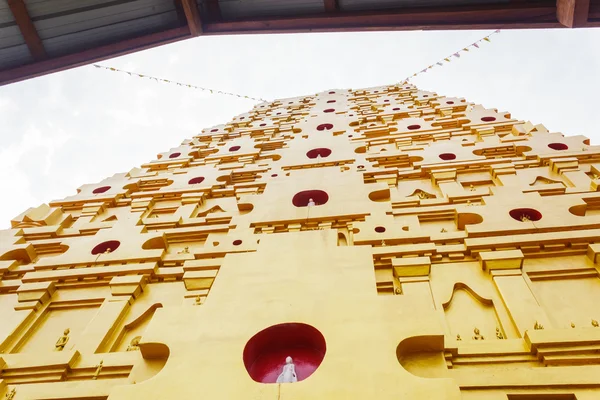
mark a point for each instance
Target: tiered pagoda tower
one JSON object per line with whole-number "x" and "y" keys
{"x": 395, "y": 243}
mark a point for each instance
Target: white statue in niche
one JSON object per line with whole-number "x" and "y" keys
{"x": 311, "y": 203}
{"x": 289, "y": 372}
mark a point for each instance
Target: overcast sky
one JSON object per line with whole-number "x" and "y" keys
{"x": 60, "y": 131}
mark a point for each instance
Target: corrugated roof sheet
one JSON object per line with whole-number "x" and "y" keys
{"x": 361, "y": 5}
{"x": 117, "y": 27}
{"x": 13, "y": 50}
{"x": 70, "y": 25}
{"x": 237, "y": 9}
{"x": 6, "y": 16}
{"x": 14, "y": 56}
{"x": 10, "y": 35}
{"x": 106, "y": 34}
{"x": 85, "y": 18}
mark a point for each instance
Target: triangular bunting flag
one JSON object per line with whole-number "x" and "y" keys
{"x": 475, "y": 45}
{"x": 487, "y": 39}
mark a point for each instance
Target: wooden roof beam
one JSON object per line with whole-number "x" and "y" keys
{"x": 214, "y": 10}
{"x": 572, "y": 13}
{"x": 91, "y": 55}
{"x": 25, "y": 24}
{"x": 192, "y": 14}
{"x": 331, "y": 5}
{"x": 518, "y": 15}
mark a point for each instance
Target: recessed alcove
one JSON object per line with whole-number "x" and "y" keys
{"x": 301, "y": 199}
{"x": 447, "y": 156}
{"x": 101, "y": 189}
{"x": 558, "y": 146}
{"x": 525, "y": 214}
{"x": 265, "y": 353}
{"x": 104, "y": 247}
{"x": 324, "y": 127}
{"x": 319, "y": 152}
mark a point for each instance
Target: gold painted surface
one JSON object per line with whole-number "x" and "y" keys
{"x": 454, "y": 256}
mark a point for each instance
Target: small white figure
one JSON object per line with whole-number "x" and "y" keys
{"x": 311, "y": 203}
{"x": 289, "y": 372}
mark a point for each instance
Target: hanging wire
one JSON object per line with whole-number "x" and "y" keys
{"x": 212, "y": 91}
{"x": 440, "y": 63}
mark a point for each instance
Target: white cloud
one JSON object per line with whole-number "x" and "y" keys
{"x": 80, "y": 126}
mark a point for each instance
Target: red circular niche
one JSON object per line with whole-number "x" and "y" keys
{"x": 237, "y": 242}
{"x": 214, "y": 130}
{"x": 386, "y": 101}
{"x": 330, "y": 101}
{"x": 329, "y": 110}
{"x": 263, "y": 124}
{"x": 198, "y": 179}
{"x": 324, "y": 127}
{"x": 488, "y": 119}
{"x": 274, "y": 175}
{"x": 447, "y": 156}
{"x": 234, "y": 148}
{"x": 108, "y": 246}
{"x": 265, "y": 353}
{"x": 301, "y": 199}
{"x": 101, "y": 189}
{"x": 558, "y": 146}
{"x": 425, "y": 95}
{"x": 174, "y": 155}
{"x": 395, "y": 109}
{"x": 525, "y": 214}
{"x": 413, "y": 127}
{"x": 320, "y": 152}
{"x": 331, "y": 92}
{"x": 449, "y": 102}
{"x": 379, "y": 229}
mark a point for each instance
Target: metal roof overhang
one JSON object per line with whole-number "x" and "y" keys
{"x": 38, "y": 37}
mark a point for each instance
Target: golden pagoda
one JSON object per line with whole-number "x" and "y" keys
{"x": 381, "y": 243}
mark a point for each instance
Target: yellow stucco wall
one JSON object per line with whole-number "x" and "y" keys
{"x": 455, "y": 258}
